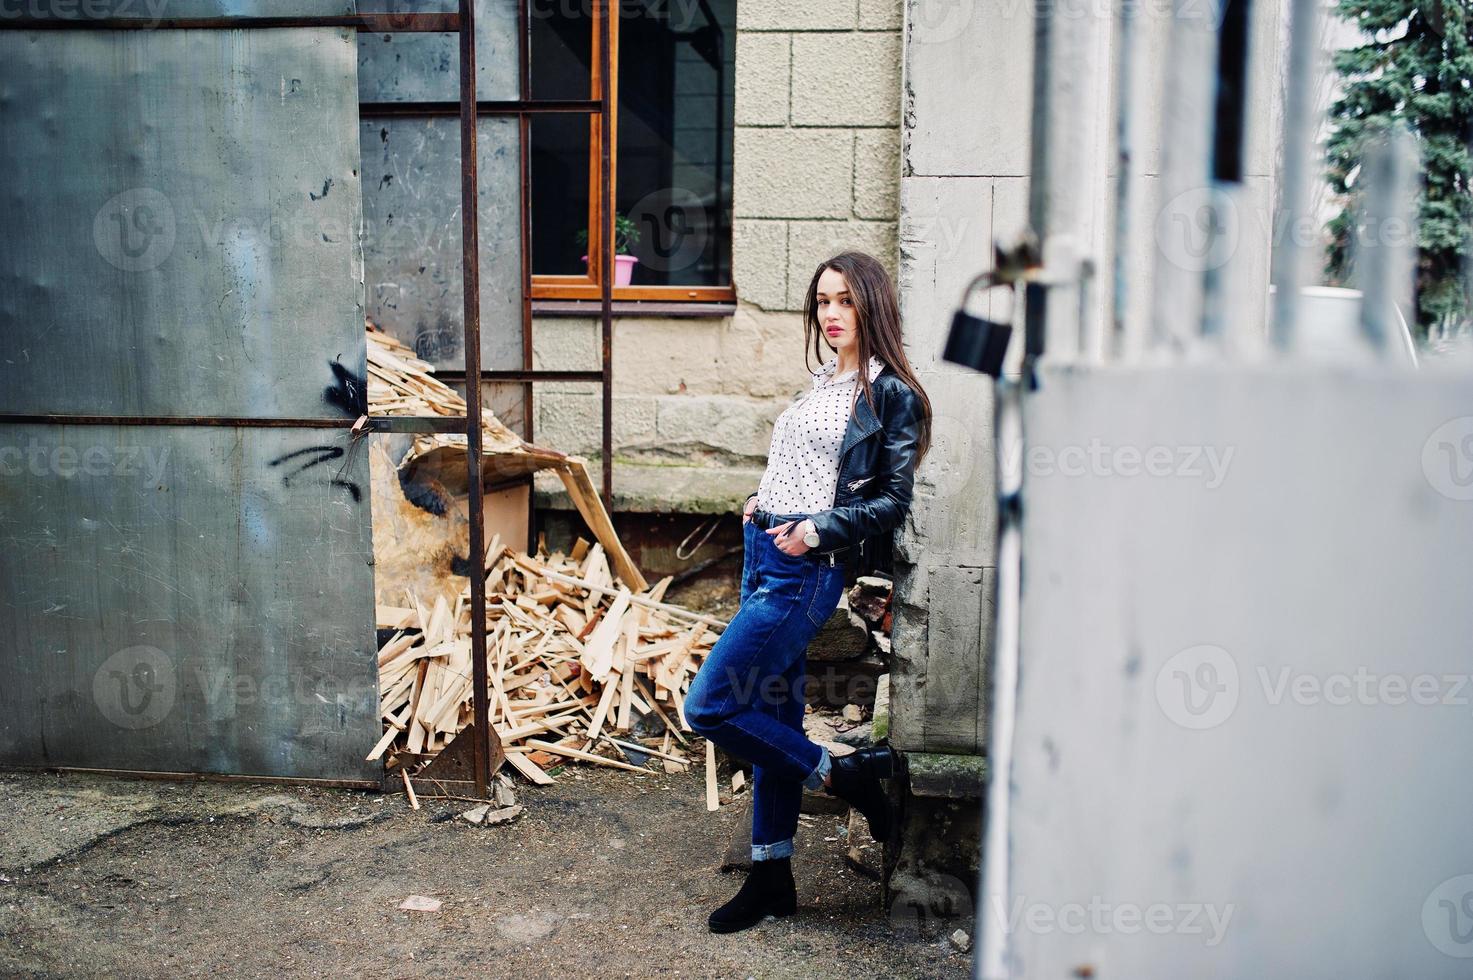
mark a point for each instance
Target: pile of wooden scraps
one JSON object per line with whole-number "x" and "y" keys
{"x": 578, "y": 666}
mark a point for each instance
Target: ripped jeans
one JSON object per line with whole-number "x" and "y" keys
{"x": 748, "y": 697}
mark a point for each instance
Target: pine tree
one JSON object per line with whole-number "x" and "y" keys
{"x": 1415, "y": 67}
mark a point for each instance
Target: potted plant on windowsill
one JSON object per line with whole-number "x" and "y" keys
{"x": 626, "y": 234}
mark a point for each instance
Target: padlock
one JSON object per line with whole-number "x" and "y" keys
{"x": 974, "y": 341}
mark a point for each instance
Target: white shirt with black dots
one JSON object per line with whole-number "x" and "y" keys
{"x": 803, "y": 462}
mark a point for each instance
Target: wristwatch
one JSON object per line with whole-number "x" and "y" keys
{"x": 810, "y": 538}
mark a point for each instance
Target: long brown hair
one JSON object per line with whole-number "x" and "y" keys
{"x": 877, "y": 311}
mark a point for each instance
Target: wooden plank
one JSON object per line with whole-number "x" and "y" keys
{"x": 573, "y": 753}
{"x": 713, "y": 799}
{"x": 528, "y": 768}
{"x": 574, "y": 475}
{"x": 626, "y": 676}
{"x": 598, "y": 652}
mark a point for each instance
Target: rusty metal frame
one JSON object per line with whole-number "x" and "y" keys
{"x": 468, "y": 108}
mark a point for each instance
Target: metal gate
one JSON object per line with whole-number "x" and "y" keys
{"x": 1231, "y": 688}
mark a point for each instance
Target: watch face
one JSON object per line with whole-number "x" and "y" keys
{"x": 811, "y": 539}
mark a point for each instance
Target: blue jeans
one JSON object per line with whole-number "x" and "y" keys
{"x": 748, "y": 695}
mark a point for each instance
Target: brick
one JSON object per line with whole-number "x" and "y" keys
{"x": 760, "y": 261}
{"x": 762, "y": 354}
{"x": 784, "y": 173}
{"x": 739, "y": 426}
{"x": 795, "y": 15}
{"x": 762, "y": 74}
{"x": 877, "y": 174}
{"x": 666, "y": 355}
{"x": 810, "y": 242}
{"x": 880, "y": 15}
{"x": 846, "y": 79}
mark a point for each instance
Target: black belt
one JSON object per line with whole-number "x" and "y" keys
{"x": 765, "y": 520}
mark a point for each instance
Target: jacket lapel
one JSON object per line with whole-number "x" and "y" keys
{"x": 862, "y": 423}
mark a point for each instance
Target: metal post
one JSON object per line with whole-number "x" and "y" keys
{"x": 1296, "y": 166}
{"x": 524, "y": 152}
{"x": 1385, "y": 265}
{"x": 1119, "y": 346}
{"x": 471, "y": 279}
{"x": 609, "y": 11}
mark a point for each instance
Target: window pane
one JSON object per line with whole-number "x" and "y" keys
{"x": 676, "y": 80}
{"x": 562, "y": 46}
{"x": 559, "y": 173}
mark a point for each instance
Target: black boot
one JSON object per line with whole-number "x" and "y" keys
{"x": 855, "y": 779}
{"x": 768, "y": 890}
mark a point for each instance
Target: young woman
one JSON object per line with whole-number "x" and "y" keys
{"x": 838, "y": 482}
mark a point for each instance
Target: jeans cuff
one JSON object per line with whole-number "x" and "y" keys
{"x": 820, "y": 772}
{"x": 767, "y": 852}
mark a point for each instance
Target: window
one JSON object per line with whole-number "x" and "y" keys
{"x": 672, "y": 125}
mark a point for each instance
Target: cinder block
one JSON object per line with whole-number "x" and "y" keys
{"x": 568, "y": 422}
{"x": 810, "y": 242}
{"x": 980, "y": 127}
{"x": 939, "y": 683}
{"x": 762, "y": 74}
{"x": 877, "y": 174}
{"x": 795, "y": 15}
{"x": 954, "y": 514}
{"x": 846, "y": 79}
{"x": 564, "y": 344}
{"x": 762, "y": 355}
{"x": 739, "y": 426}
{"x": 880, "y": 15}
{"x": 666, "y": 355}
{"x": 946, "y": 238}
{"x": 759, "y": 255}
{"x": 786, "y": 173}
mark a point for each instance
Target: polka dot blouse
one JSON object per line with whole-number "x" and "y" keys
{"x": 803, "y": 462}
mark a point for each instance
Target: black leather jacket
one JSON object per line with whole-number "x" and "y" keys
{"x": 876, "y": 479}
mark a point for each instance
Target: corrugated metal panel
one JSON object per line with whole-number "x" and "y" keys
{"x": 181, "y": 217}
{"x": 153, "y": 11}
{"x": 194, "y": 600}
{"x": 411, "y": 247}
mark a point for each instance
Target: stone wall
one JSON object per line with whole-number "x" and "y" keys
{"x": 965, "y": 166}
{"x": 816, "y": 170}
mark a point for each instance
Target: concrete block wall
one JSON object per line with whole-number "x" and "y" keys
{"x": 965, "y": 160}
{"x": 818, "y": 106}
{"x": 816, "y": 169}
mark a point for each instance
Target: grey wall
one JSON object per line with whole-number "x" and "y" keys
{"x": 1243, "y": 689}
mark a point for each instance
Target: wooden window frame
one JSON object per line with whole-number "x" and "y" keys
{"x": 586, "y": 287}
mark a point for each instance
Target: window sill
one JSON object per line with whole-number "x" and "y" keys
{"x": 653, "y": 308}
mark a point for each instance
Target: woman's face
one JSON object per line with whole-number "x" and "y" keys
{"x": 836, "y": 316}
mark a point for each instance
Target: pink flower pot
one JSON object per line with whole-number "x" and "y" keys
{"x": 623, "y": 269}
